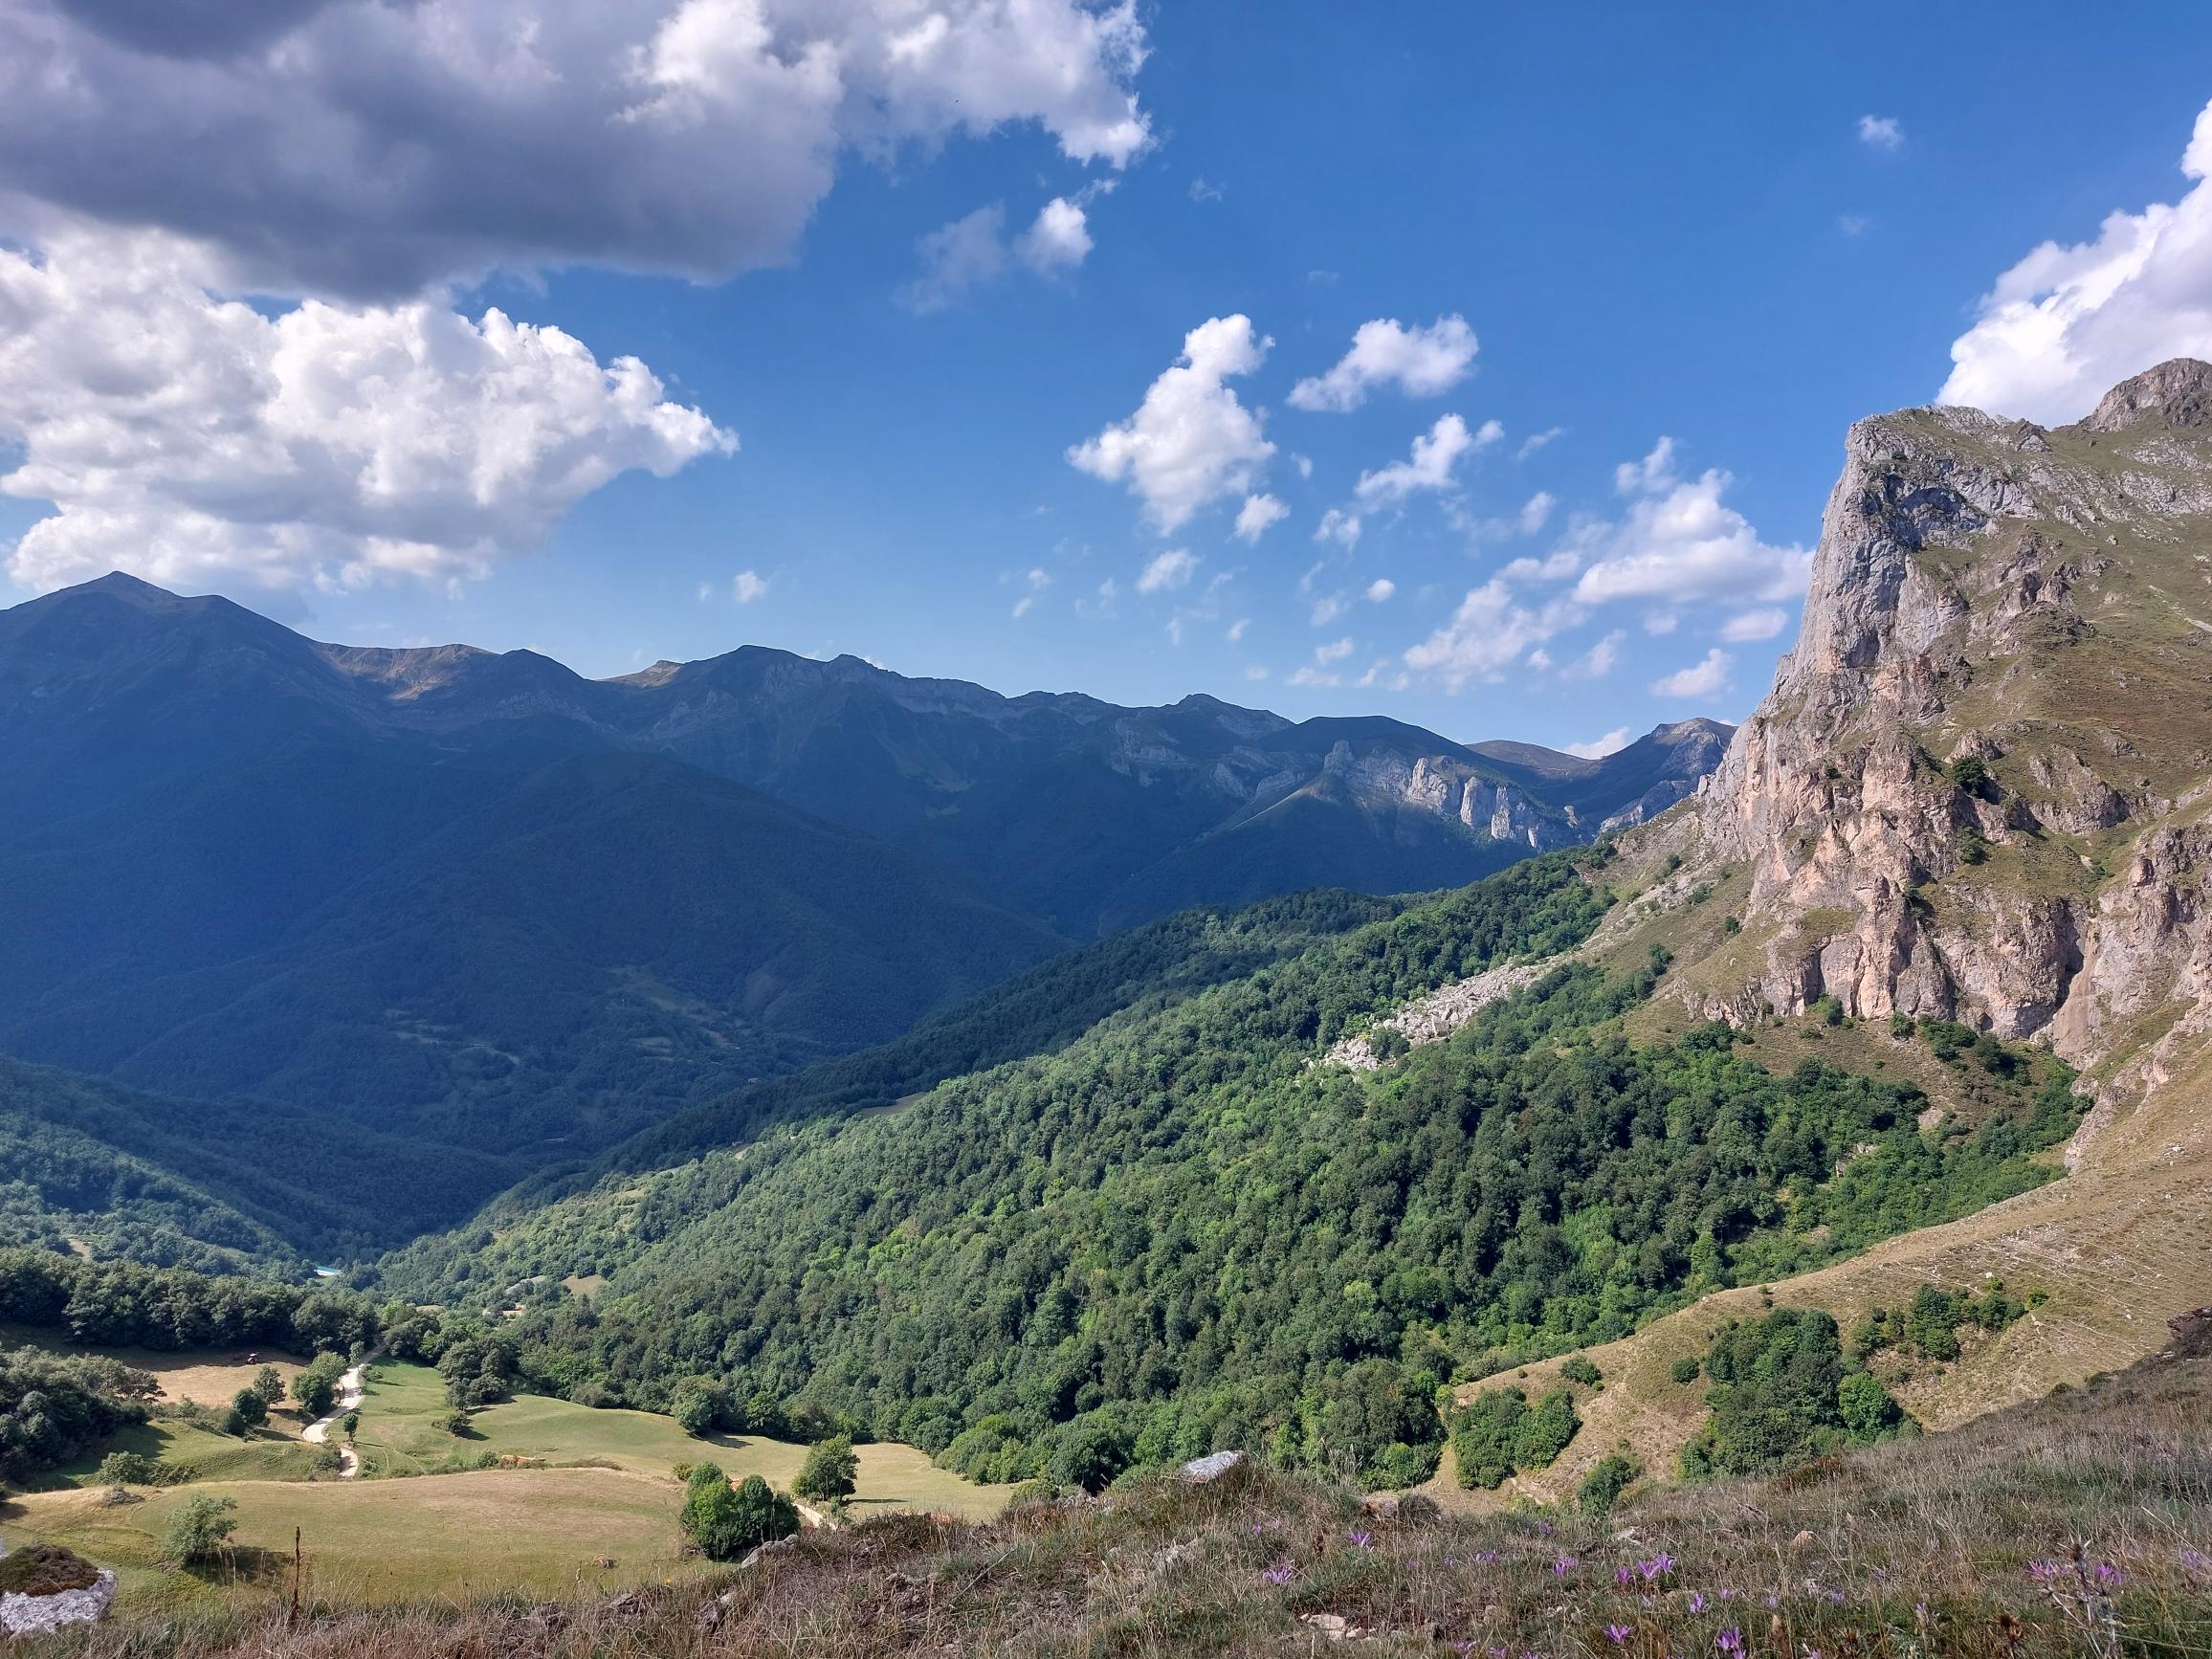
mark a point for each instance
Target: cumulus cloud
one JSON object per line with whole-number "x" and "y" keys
{"x": 1881, "y": 132}
{"x": 198, "y": 441}
{"x": 369, "y": 149}
{"x": 1167, "y": 572}
{"x": 1486, "y": 635}
{"x": 2067, "y": 323}
{"x": 1748, "y": 626}
{"x": 1701, "y": 679}
{"x": 1190, "y": 442}
{"x": 1335, "y": 651}
{"x": 1339, "y": 527}
{"x": 1681, "y": 541}
{"x": 974, "y": 250}
{"x": 1597, "y": 749}
{"x": 749, "y": 585}
{"x": 1419, "y": 362}
{"x": 1258, "y": 515}
{"x": 1380, "y": 589}
{"x": 1436, "y": 456}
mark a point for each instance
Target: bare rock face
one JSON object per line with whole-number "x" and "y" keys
{"x": 1979, "y": 787}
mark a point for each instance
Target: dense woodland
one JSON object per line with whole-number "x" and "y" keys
{"x": 1179, "y": 1232}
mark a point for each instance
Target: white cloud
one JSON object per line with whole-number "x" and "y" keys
{"x": 1485, "y": 634}
{"x": 1256, "y": 672}
{"x": 1200, "y": 190}
{"x": 1258, "y": 515}
{"x": 1701, "y": 679}
{"x": 1023, "y": 605}
{"x": 1553, "y": 566}
{"x": 1881, "y": 132}
{"x": 1327, "y": 609}
{"x": 1655, "y": 472}
{"x": 1380, "y": 589}
{"x": 197, "y": 441}
{"x": 1611, "y": 743}
{"x": 1748, "y": 626}
{"x": 1535, "y": 441}
{"x": 1436, "y": 454}
{"x": 1419, "y": 362}
{"x": 1537, "y": 511}
{"x": 364, "y": 148}
{"x": 1167, "y": 572}
{"x": 1338, "y": 526}
{"x": 2067, "y": 323}
{"x": 1304, "y": 464}
{"x": 1336, "y": 651}
{"x": 1190, "y": 442}
{"x": 973, "y": 250}
{"x": 1058, "y": 240}
{"x": 1854, "y": 224}
{"x": 1599, "y": 660}
{"x": 747, "y": 587}
{"x": 1658, "y": 624}
{"x": 1681, "y": 541}
{"x": 1236, "y": 629}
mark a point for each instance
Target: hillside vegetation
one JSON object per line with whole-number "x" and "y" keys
{"x": 1180, "y": 1231}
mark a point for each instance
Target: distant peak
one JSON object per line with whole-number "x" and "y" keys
{"x": 2178, "y": 390}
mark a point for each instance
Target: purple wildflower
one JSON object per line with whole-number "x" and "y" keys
{"x": 2110, "y": 1576}
{"x": 1543, "y": 1529}
{"x": 1696, "y": 1601}
{"x": 1483, "y": 1557}
{"x": 1730, "y": 1640}
{"x": 1837, "y": 1597}
{"x": 1773, "y": 1601}
{"x": 2192, "y": 1560}
{"x": 2045, "y": 1572}
{"x": 1728, "y": 1595}
{"x": 1565, "y": 1565}
{"x": 1280, "y": 1574}
{"x": 1618, "y": 1633}
{"x": 1657, "y": 1567}
{"x": 1623, "y": 1576}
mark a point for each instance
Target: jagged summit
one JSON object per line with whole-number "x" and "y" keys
{"x": 2177, "y": 390}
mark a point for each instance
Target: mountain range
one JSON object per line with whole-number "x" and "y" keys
{"x": 511, "y": 915}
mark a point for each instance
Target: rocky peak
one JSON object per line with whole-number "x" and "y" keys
{"x": 2044, "y": 611}
{"x": 2179, "y": 391}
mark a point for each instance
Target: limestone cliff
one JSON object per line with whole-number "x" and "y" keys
{"x": 1979, "y": 787}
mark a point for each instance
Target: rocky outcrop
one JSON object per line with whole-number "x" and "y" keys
{"x": 1976, "y": 787}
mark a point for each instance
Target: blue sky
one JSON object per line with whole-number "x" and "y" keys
{"x": 1658, "y": 223}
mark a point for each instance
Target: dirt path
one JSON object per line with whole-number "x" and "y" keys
{"x": 352, "y": 1390}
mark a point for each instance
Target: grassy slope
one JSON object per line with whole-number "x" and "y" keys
{"x": 1901, "y": 1550}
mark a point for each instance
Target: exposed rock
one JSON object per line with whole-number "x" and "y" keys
{"x": 1983, "y": 589}
{"x": 1211, "y": 1467}
{"x": 22, "y": 1615}
{"x": 1432, "y": 1018}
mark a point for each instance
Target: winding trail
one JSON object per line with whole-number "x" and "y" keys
{"x": 352, "y": 1390}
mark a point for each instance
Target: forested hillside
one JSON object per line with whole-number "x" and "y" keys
{"x": 1178, "y": 1230}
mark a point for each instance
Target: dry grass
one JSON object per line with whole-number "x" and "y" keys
{"x": 1923, "y": 1548}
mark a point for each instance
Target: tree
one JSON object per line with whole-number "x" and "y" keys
{"x": 724, "y": 1522}
{"x": 1602, "y": 1486}
{"x": 351, "y": 1424}
{"x": 201, "y": 1531}
{"x": 1932, "y": 1322}
{"x": 831, "y": 1465}
{"x": 1971, "y": 775}
{"x": 1868, "y": 1412}
{"x": 250, "y": 1407}
{"x": 316, "y": 1388}
{"x": 700, "y": 1405}
{"x": 268, "y": 1384}
{"x": 1482, "y": 1440}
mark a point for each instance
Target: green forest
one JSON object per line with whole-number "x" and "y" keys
{"x": 1178, "y": 1231}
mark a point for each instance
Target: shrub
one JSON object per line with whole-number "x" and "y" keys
{"x": 1781, "y": 1395}
{"x": 1685, "y": 1369}
{"x": 1482, "y": 1439}
{"x": 137, "y": 1468}
{"x": 1544, "y": 1432}
{"x": 724, "y": 1521}
{"x": 250, "y": 1407}
{"x": 1399, "y": 1466}
{"x": 1972, "y": 846}
{"x": 201, "y": 1531}
{"x": 1091, "y": 1455}
{"x": 1602, "y": 1486}
{"x": 316, "y": 1388}
{"x": 1971, "y": 775}
{"x": 831, "y": 1467}
{"x": 46, "y": 1570}
{"x": 1868, "y": 1412}
{"x": 1579, "y": 1368}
